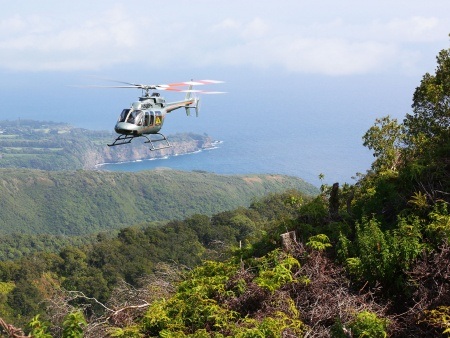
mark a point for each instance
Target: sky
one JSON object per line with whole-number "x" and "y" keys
{"x": 327, "y": 63}
{"x": 303, "y": 37}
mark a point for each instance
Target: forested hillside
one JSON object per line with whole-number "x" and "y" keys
{"x": 84, "y": 202}
{"x": 365, "y": 260}
{"x": 116, "y": 264}
{"x": 58, "y": 146}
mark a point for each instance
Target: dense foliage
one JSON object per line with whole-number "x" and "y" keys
{"x": 33, "y": 283}
{"x": 14, "y": 246}
{"x": 367, "y": 260}
{"x": 86, "y": 202}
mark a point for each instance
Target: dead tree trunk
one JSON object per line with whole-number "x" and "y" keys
{"x": 289, "y": 241}
{"x": 333, "y": 206}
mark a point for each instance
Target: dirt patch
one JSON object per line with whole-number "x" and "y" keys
{"x": 254, "y": 179}
{"x": 277, "y": 178}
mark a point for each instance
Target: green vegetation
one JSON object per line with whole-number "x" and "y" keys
{"x": 86, "y": 202}
{"x": 17, "y": 245}
{"x": 117, "y": 265}
{"x": 212, "y": 298}
{"x": 46, "y": 145}
{"x": 365, "y": 324}
{"x": 368, "y": 260}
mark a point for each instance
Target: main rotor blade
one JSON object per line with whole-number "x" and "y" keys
{"x": 95, "y": 86}
{"x": 155, "y": 88}
{"x": 192, "y": 91}
{"x": 112, "y": 80}
{"x": 192, "y": 83}
{"x": 169, "y": 87}
{"x": 161, "y": 86}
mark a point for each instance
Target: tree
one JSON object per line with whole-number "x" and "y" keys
{"x": 73, "y": 261}
{"x": 385, "y": 138}
{"x": 24, "y": 299}
{"x": 430, "y": 121}
{"x": 413, "y": 157}
{"x": 428, "y": 131}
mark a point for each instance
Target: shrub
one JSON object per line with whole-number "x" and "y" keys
{"x": 366, "y": 324}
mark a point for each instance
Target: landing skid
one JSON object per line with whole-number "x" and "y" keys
{"x": 125, "y": 139}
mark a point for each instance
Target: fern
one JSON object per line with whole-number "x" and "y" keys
{"x": 439, "y": 318}
{"x": 440, "y": 222}
{"x": 276, "y": 270}
{"x": 319, "y": 242}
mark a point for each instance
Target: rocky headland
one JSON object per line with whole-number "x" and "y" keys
{"x": 139, "y": 150}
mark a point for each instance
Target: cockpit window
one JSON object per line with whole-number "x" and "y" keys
{"x": 123, "y": 115}
{"x": 135, "y": 117}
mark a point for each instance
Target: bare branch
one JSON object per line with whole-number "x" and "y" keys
{"x": 11, "y": 331}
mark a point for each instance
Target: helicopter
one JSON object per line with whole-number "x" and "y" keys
{"x": 145, "y": 117}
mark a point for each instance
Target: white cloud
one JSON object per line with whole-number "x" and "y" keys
{"x": 38, "y": 43}
{"x": 337, "y": 57}
{"x": 255, "y": 29}
{"x": 414, "y": 29}
{"x": 11, "y": 25}
{"x": 331, "y": 48}
{"x": 225, "y": 25}
{"x": 118, "y": 35}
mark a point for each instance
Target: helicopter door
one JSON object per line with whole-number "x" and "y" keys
{"x": 146, "y": 119}
{"x": 151, "y": 115}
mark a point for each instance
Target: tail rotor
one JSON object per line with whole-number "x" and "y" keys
{"x": 197, "y": 106}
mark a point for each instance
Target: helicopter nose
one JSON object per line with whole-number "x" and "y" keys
{"x": 125, "y": 128}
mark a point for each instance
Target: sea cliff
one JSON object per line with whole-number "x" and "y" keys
{"x": 138, "y": 150}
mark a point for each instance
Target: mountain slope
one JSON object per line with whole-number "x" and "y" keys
{"x": 82, "y": 202}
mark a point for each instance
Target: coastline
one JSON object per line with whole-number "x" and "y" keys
{"x": 212, "y": 146}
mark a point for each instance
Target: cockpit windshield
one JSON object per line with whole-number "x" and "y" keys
{"x": 135, "y": 117}
{"x": 123, "y": 115}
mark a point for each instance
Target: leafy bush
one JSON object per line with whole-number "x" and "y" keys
{"x": 365, "y": 324}
{"x": 377, "y": 256}
{"x": 73, "y": 325}
{"x": 38, "y": 329}
{"x": 319, "y": 242}
{"x": 276, "y": 269}
{"x": 439, "y": 227}
{"x": 199, "y": 307}
{"x": 438, "y": 318}
{"x": 314, "y": 212}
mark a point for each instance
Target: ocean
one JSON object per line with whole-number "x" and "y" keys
{"x": 295, "y": 145}
{"x": 226, "y": 158}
